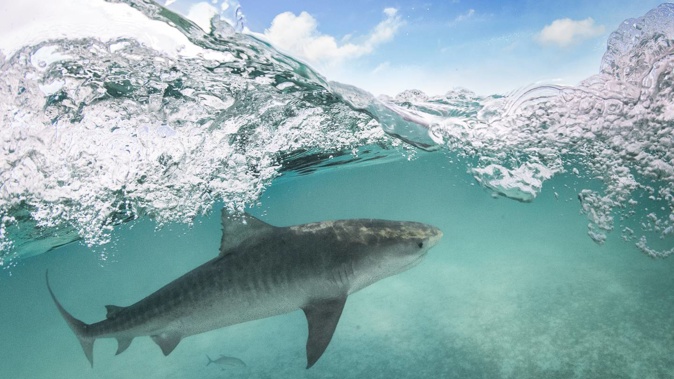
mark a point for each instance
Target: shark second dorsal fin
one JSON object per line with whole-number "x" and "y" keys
{"x": 236, "y": 229}
{"x": 112, "y": 310}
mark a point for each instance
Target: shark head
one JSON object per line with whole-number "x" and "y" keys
{"x": 389, "y": 247}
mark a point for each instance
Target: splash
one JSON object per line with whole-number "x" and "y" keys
{"x": 154, "y": 116}
{"x": 616, "y": 127}
{"x": 98, "y": 131}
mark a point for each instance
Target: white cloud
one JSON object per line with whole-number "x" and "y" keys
{"x": 201, "y": 14}
{"x": 566, "y": 32}
{"x": 464, "y": 16}
{"x": 299, "y": 36}
{"x": 381, "y": 67}
{"x": 390, "y": 12}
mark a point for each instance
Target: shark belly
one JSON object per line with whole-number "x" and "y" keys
{"x": 221, "y": 293}
{"x": 218, "y": 310}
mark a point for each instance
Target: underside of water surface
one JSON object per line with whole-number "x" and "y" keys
{"x": 123, "y": 137}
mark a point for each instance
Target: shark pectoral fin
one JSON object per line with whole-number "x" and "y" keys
{"x": 123, "y": 344}
{"x": 167, "y": 342}
{"x": 322, "y": 317}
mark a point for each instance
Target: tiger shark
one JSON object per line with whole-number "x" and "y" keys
{"x": 263, "y": 271}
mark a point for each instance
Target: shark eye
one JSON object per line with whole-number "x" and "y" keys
{"x": 420, "y": 244}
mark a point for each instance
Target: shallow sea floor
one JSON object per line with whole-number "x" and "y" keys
{"x": 513, "y": 290}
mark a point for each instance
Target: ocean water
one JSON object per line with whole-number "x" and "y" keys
{"x": 122, "y": 143}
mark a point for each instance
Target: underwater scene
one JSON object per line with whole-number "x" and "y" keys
{"x": 201, "y": 204}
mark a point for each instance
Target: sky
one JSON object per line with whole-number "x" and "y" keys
{"x": 387, "y": 46}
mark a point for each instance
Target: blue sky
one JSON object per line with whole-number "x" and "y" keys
{"x": 485, "y": 46}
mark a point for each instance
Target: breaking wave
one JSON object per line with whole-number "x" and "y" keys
{"x": 162, "y": 120}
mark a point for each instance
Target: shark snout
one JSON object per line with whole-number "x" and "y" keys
{"x": 435, "y": 235}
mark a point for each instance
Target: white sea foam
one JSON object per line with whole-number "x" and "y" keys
{"x": 129, "y": 110}
{"x": 102, "y": 127}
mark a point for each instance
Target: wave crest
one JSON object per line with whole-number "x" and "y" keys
{"x": 103, "y": 127}
{"x": 99, "y": 132}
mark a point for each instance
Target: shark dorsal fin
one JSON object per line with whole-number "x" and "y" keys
{"x": 112, "y": 310}
{"x": 236, "y": 229}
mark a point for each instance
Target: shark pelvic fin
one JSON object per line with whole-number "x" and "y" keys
{"x": 77, "y": 326}
{"x": 112, "y": 310}
{"x": 166, "y": 342}
{"x": 123, "y": 344}
{"x": 238, "y": 228}
{"x": 322, "y": 317}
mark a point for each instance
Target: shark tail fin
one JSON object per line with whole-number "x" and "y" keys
{"x": 209, "y": 360}
{"x": 77, "y": 326}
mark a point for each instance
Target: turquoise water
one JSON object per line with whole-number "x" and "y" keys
{"x": 122, "y": 144}
{"x": 512, "y": 291}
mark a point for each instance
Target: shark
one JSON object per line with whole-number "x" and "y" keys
{"x": 263, "y": 271}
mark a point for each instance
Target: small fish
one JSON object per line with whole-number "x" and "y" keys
{"x": 226, "y": 361}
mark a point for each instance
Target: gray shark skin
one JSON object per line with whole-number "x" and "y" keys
{"x": 264, "y": 271}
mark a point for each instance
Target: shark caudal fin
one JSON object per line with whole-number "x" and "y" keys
{"x": 78, "y": 327}
{"x": 209, "y": 360}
